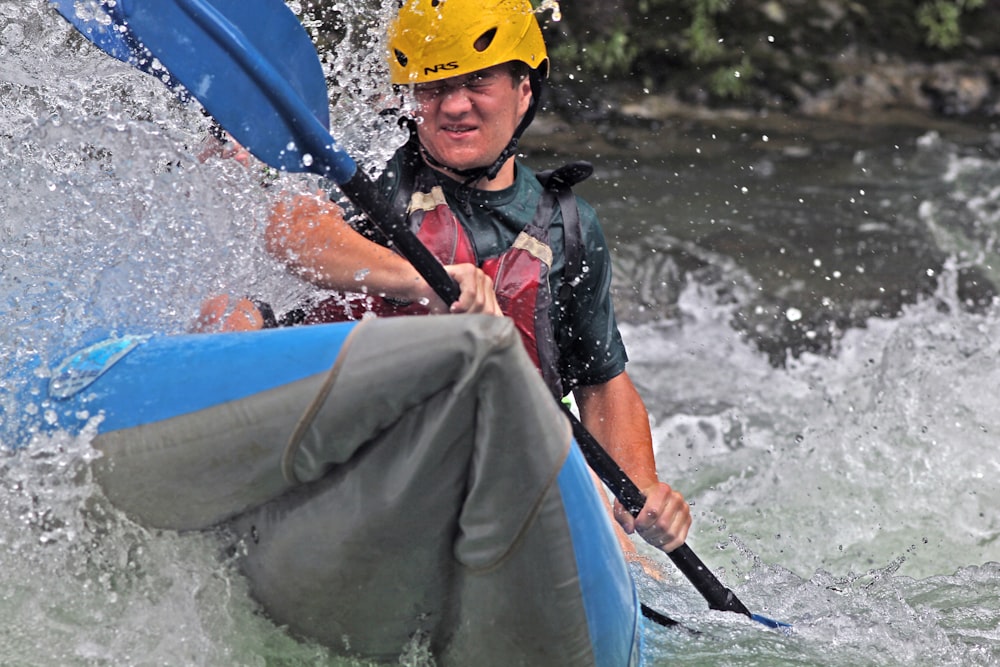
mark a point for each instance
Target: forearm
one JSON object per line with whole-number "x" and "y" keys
{"x": 310, "y": 236}
{"x": 347, "y": 261}
{"x": 615, "y": 414}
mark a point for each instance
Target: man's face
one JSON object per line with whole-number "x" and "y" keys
{"x": 465, "y": 122}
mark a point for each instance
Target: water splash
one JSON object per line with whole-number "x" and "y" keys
{"x": 550, "y": 5}
{"x": 365, "y": 108}
{"x": 116, "y": 218}
{"x": 85, "y": 586}
{"x": 850, "y": 495}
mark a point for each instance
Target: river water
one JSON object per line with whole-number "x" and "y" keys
{"x": 809, "y": 312}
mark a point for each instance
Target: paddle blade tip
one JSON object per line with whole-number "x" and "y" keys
{"x": 773, "y": 624}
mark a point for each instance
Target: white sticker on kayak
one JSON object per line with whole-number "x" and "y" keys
{"x": 81, "y": 369}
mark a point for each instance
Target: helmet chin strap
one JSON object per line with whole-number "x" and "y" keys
{"x": 476, "y": 173}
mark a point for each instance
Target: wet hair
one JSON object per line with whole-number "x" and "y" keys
{"x": 518, "y": 70}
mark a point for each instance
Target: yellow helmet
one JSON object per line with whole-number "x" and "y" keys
{"x": 437, "y": 39}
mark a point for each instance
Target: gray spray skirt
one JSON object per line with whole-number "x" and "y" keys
{"x": 398, "y": 477}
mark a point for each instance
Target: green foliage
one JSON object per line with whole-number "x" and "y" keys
{"x": 702, "y": 37}
{"x": 612, "y": 56}
{"x": 732, "y": 82}
{"x": 740, "y": 50}
{"x": 703, "y": 43}
{"x": 941, "y": 19}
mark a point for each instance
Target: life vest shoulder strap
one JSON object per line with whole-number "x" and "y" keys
{"x": 558, "y": 183}
{"x": 409, "y": 179}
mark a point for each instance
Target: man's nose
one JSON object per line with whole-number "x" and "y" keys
{"x": 455, "y": 99}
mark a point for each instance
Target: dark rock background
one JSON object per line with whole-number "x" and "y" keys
{"x": 813, "y": 57}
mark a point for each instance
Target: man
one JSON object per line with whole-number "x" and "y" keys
{"x": 510, "y": 241}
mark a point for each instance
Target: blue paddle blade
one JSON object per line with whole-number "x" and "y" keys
{"x": 253, "y": 67}
{"x": 95, "y": 21}
{"x": 771, "y": 623}
{"x": 250, "y": 63}
{"x": 97, "y": 25}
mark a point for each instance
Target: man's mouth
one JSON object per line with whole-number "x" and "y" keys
{"x": 458, "y": 129}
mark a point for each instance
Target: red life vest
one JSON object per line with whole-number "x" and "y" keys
{"x": 520, "y": 274}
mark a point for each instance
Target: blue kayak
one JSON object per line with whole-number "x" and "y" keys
{"x": 382, "y": 480}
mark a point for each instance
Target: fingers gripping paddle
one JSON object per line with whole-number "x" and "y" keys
{"x": 254, "y": 69}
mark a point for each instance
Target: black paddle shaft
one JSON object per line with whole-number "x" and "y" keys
{"x": 718, "y": 596}
{"x": 364, "y": 194}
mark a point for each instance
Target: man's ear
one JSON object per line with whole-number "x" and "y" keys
{"x": 524, "y": 96}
